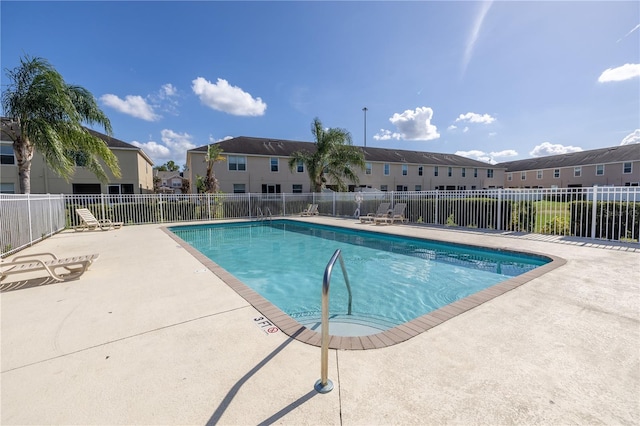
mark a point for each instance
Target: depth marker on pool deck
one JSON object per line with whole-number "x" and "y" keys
{"x": 265, "y": 325}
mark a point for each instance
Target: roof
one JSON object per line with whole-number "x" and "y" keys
{"x": 167, "y": 175}
{"x": 615, "y": 154}
{"x": 284, "y": 148}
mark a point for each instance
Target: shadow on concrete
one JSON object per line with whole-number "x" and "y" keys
{"x": 217, "y": 415}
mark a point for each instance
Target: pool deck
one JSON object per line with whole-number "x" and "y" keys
{"x": 150, "y": 335}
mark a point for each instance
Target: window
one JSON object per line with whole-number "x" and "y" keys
{"x": 367, "y": 168}
{"x": 475, "y": 172}
{"x": 420, "y": 169}
{"x": 7, "y": 188}
{"x": 523, "y": 175}
{"x": 274, "y": 164}
{"x": 176, "y": 183}
{"x": 383, "y": 187}
{"x": 237, "y": 163}
{"x": 7, "y": 156}
{"x": 297, "y": 189}
{"x": 386, "y": 169}
{"x": 556, "y": 173}
{"x": 489, "y": 173}
{"x": 435, "y": 171}
{"x": 450, "y": 171}
{"x": 577, "y": 171}
{"x": 539, "y": 175}
{"x": 405, "y": 170}
{"x": 86, "y": 188}
{"x": 270, "y": 189}
{"x": 401, "y": 188}
{"x": 600, "y": 170}
{"x": 464, "y": 172}
{"x": 418, "y": 187}
{"x": 509, "y": 176}
{"x": 238, "y": 188}
{"x": 626, "y": 168}
{"x": 125, "y": 188}
{"x": 300, "y": 168}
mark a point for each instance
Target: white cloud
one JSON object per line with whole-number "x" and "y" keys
{"x": 621, "y": 73}
{"x": 214, "y": 140}
{"x": 472, "y": 117}
{"x": 169, "y": 90}
{"x": 174, "y": 147}
{"x": 132, "y": 105}
{"x": 452, "y": 127}
{"x": 221, "y": 96}
{"x": 631, "y": 138}
{"x": 488, "y": 157}
{"x": 412, "y": 125}
{"x": 629, "y": 33}
{"x": 466, "y": 129}
{"x": 475, "y": 33}
{"x": 547, "y": 148}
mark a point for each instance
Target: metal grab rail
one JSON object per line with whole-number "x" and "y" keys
{"x": 324, "y": 385}
{"x": 261, "y": 216}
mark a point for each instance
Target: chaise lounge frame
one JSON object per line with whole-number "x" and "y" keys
{"x": 58, "y": 269}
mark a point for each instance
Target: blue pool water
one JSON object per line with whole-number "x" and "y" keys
{"x": 393, "y": 279}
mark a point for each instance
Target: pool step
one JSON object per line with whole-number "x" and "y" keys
{"x": 346, "y": 325}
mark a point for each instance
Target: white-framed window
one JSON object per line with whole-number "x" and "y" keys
{"x": 418, "y": 188}
{"x": 450, "y": 171}
{"x": 405, "y": 170}
{"x": 599, "y": 169}
{"x": 367, "y": 168}
{"x": 475, "y": 172}
{"x": 239, "y": 188}
{"x": 464, "y": 172}
{"x": 383, "y": 187}
{"x": 420, "y": 170}
{"x": 7, "y": 188}
{"x": 523, "y": 175}
{"x": 401, "y": 188}
{"x": 627, "y": 168}
{"x": 509, "y": 176}
{"x": 489, "y": 173}
{"x": 296, "y": 188}
{"x": 556, "y": 173}
{"x": 237, "y": 163}
{"x": 387, "y": 169}
{"x": 274, "y": 164}
{"x": 436, "y": 171}
{"x": 577, "y": 171}
{"x": 539, "y": 174}
{"x": 300, "y": 167}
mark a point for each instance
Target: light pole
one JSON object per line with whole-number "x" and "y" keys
{"x": 365, "y": 109}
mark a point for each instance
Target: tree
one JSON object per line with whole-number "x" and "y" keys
{"x": 213, "y": 155}
{"x": 169, "y": 166}
{"x": 334, "y": 158}
{"x": 43, "y": 113}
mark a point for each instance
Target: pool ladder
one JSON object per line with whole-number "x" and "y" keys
{"x": 324, "y": 385}
{"x": 261, "y": 216}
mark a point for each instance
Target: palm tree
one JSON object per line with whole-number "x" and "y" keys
{"x": 334, "y": 158}
{"x": 213, "y": 155}
{"x": 43, "y": 113}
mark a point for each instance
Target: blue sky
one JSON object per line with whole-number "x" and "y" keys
{"x": 494, "y": 81}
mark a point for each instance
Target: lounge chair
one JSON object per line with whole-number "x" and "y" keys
{"x": 89, "y": 222}
{"x": 71, "y": 267}
{"x": 311, "y": 210}
{"x": 396, "y": 215}
{"x": 383, "y": 209}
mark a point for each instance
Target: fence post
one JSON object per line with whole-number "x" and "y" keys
{"x": 499, "y": 214}
{"x": 102, "y": 206}
{"x": 437, "y": 204}
{"x": 249, "y": 194}
{"x": 594, "y": 211}
{"x": 284, "y": 204}
{"x": 30, "y": 222}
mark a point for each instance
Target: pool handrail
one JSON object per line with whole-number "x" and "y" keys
{"x": 324, "y": 385}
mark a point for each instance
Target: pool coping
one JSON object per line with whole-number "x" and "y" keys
{"x": 386, "y": 338}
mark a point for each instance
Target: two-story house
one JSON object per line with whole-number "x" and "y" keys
{"x": 261, "y": 165}
{"x": 136, "y": 168}
{"x": 614, "y": 166}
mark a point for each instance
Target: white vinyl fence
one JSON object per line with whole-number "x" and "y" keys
{"x": 609, "y": 213}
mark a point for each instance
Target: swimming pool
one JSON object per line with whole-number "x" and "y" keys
{"x": 396, "y": 281}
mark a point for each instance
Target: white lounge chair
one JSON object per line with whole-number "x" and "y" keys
{"x": 89, "y": 222}
{"x": 312, "y": 210}
{"x": 383, "y": 209}
{"x": 396, "y": 215}
{"x": 58, "y": 269}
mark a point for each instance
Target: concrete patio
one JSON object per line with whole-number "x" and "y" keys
{"x": 150, "y": 336}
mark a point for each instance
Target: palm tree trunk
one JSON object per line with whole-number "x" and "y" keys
{"x": 23, "y": 150}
